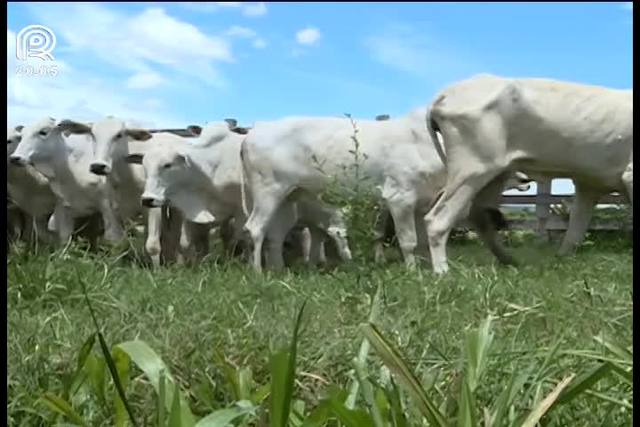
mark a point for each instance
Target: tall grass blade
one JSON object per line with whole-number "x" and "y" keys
{"x": 396, "y": 365}
{"x": 467, "y": 407}
{"x": 107, "y": 354}
{"x": 175, "y": 415}
{"x": 224, "y": 417}
{"x": 615, "y": 349}
{"x": 546, "y": 403}
{"x": 151, "y": 364}
{"x": 61, "y": 406}
{"x": 583, "y": 383}
{"x": 121, "y": 362}
{"x": 367, "y": 392}
{"x": 477, "y": 345}
{"x": 374, "y": 312}
{"x": 350, "y": 417}
{"x": 283, "y": 365}
{"x": 95, "y": 368}
{"x": 162, "y": 400}
{"x": 506, "y": 398}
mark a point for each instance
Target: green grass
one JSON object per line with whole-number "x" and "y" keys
{"x": 548, "y": 316}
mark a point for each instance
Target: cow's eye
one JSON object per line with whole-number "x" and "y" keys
{"x": 166, "y": 166}
{"x": 43, "y": 132}
{"x": 119, "y": 135}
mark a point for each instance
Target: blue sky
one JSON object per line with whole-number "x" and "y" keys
{"x": 174, "y": 64}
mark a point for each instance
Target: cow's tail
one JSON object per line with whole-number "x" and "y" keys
{"x": 432, "y": 126}
{"x": 243, "y": 178}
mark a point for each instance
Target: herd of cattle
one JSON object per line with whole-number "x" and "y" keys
{"x": 256, "y": 185}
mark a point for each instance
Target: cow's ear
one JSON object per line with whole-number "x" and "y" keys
{"x": 19, "y": 128}
{"x": 232, "y": 123}
{"x": 138, "y": 134}
{"x": 241, "y": 131}
{"x": 194, "y": 129}
{"x": 134, "y": 158}
{"x": 69, "y": 126}
{"x": 185, "y": 159}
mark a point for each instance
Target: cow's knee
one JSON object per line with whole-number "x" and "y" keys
{"x": 153, "y": 248}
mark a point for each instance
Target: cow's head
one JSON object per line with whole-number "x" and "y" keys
{"x": 233, "y": 127}
{"x": 168, "y": 170}
{"x": 13, "y": 139}
{"x": 519, "y": 181}
{"x": 37, "y": 144}
{"x": 110, "y": 137}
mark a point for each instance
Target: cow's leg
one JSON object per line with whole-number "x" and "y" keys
{"x": 316, "y": 254}
{"x": 263, "y": 212}
{"x": 627, "y": 181}
{"x": 113, "y": 230}
{"x": 453, "y": 205}
{"x": 584, "y": 201}
{"x": 89, "y": 228}
{"x": 402, "y": 206}
{"x": 282, "y": 222}
{"x": 240, "y": 244}
{"x": 322, "y": 258}
{"x": 422, "y": 249}
{"x": 228, "y": 236}
{"x": 41, "y": 229}
{"x": 483, "y": 217}
{"x": 185, "y": 254}
{"x": 170, "y": 234}
{"x": 305, "y": 243}
{"x": 379, "y": 234}
{"x": 28, "y": 231}
{"x": 64, "y": 223}
{"x": 194, "y": 240}
{"x": 154, "y": 226}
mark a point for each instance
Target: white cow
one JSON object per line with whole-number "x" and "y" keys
{"x": 63, "y": 161}
{"x": 303, "y": 155}
{"x": 492, "y": 125}
{"x": 112, "y": 143}
{"x": 202, "y": 177}
{"x": 29, "y": 190}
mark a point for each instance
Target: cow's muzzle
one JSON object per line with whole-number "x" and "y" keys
{"x": 17, "y": 161}
{"x": 151, "y": 202}
{"x": 99, "y": 169}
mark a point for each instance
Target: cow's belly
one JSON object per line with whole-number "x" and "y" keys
{"x": 591, "y": 161}
{"x": 35, "y": 203}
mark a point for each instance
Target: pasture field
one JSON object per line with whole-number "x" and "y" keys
{"x": 550, "y": 318}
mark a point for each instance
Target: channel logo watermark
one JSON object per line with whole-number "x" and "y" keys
{"x": 36, "y": 41}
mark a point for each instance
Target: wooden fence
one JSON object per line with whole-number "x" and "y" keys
{"x": 545, "y": 219}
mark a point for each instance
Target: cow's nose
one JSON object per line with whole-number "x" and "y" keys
{"x": 148, "y": 202}
{"x": 98, "y": 168}
{"x": 16, "y": 160}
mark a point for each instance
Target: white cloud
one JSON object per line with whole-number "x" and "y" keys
{"x": 242, "y": 32}
{"x": 247, "y": 9}
{"x": 229, "y": 3}
{"x": 144, "y": 80}
{"x": 81, "y": 94}
{"x": 257, "y": 9}
{"x": 259, "y": 44}
{"x": 246, "y": 33}
{"x": 414, "y": 52}
{"x": 308, "y": 36}
{"x": 140, "y": 42}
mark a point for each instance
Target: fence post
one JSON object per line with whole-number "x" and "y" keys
{"x": 543, "y": 207}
